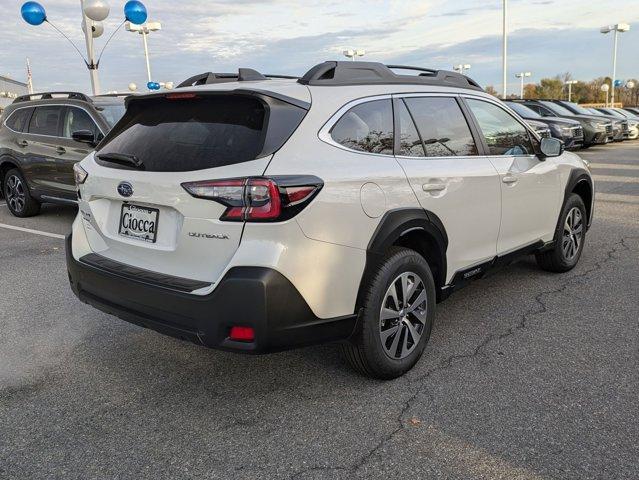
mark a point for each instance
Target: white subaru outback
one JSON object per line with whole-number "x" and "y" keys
{"x": 254, "y": 214}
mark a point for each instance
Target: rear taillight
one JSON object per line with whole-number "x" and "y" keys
{"x": 258, "y": 199}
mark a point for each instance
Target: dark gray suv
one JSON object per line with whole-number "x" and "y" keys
{"x": 42, "y": 136}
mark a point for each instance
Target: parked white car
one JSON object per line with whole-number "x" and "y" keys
{"x": 255, "y": 214}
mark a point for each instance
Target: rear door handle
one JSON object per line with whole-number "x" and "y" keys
{"x": 61, "y": 150}
{"x": 434, "y": 187}
{"x": 23, "y": 143}
{"x": 509, "y": 179}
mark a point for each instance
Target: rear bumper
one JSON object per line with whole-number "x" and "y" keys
{"x": 256, "y": 297}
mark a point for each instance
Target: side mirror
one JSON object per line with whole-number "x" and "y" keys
{"x": 84, "y": 136}
{"x": 551, "y": 147}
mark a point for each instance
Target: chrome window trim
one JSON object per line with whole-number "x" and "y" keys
{"x": 324, "y": 133}
{"x": 48, "y": 105}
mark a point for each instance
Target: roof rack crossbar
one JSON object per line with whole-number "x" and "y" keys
{"x": 49, "y": 96}
{"x": 243, "y": 75}
{"x": 372, "y": 73}
{"x": 429, "y": 71}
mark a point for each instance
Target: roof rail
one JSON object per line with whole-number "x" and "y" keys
{"x": 373, "y": 73}
{"x": 243, "y": 75}
{"x": 49, "y": 96}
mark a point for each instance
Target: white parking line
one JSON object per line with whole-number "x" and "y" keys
{"x": 616, "y": 198}
{"x": 613, "y": 178}
{"x": 36, "y": 232}
{"x": 614, "y": 166}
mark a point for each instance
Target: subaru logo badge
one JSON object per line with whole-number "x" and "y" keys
{"x": 125, "y": 189}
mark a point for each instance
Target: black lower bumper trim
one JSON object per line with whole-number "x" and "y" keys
{"x": 255, "y": 297}
{"x": 141, "y": 275}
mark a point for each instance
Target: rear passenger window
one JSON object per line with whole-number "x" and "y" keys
{"x": 504, "y": 135}
{"x": 442, "y": 126}
{"x": 18, "y": 119}
{"x": 45, "y": 121}
{"x": 367, "y": 127}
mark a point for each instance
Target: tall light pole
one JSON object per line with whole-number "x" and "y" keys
{"x": 570, "y": 83}
{"x": 88, "y": 37}
{"x": 618, "y": 28}
{"x": 352, "y": 54}
{"x": 144, "y": 30}
{"x": 461, "y": 68}
{"x": 522, "y": 75}
{"x": 505, "y": 50}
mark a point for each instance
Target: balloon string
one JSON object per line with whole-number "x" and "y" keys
{"x": 107, "y": 42}
{"x": 73, "y": 44}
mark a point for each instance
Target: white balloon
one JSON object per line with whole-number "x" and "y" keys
{"x": 96, "y": 31}
{"x": 630, "y": 84}
{"x": 133, "y": 87}
{"x": 605, "y": 87}
{"x": 96, "y": 10}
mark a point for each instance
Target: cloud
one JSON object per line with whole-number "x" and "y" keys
{"x": 285, "y": 36}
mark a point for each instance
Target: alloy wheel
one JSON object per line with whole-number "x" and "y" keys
{"x": 403, "y": 315}
{"x": 16, "y": 197}
{"x": 573, "y": 232}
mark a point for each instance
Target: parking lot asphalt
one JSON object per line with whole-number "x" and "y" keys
{"x": 528, "y": 375}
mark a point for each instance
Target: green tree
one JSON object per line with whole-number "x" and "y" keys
{"x": 550, "y": 88}
{"x": 490, "y": 89}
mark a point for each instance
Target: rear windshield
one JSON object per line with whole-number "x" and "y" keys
{"x": 186, "y": 134}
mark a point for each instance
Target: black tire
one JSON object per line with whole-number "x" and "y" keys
{"x": 17, "y": 195}
{"x": 558, "y": 259}
{"x": 366, "y": 352}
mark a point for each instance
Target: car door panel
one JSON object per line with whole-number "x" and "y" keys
{"x": 42, "y": 152}
{"x": 529, "y": 186}
{"x": 464, "y": 191}
{"x": 72, "y": 152}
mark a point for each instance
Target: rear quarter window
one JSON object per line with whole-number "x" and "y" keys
{"x": 367, "y": 127}
{"x": 204, "y": 132}
{"x": 18, "y": 119}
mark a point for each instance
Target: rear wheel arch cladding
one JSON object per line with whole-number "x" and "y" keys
{"x": 7, "y": 164}
{"x": 413, "y": 228}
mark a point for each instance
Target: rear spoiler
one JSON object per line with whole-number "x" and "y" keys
{"x": 237, "y": 91}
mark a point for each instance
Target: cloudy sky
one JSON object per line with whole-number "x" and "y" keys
{"x": 547, "y": 37}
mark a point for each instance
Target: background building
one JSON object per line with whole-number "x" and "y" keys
{"x": 9, "y": 90}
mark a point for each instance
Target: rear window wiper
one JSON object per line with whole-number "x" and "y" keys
{"x": 122, "y": 159}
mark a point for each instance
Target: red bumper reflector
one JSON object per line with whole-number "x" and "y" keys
{"x": 242, "y": 334}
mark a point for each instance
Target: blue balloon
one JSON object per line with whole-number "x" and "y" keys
{"x": 618, "y": 83}
{"x": 135, "y": 12}
{"x": 153, "y": 86}
{"x": 33, "y": 13}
